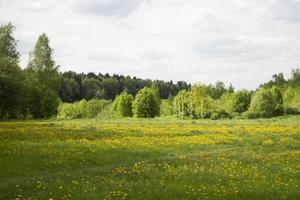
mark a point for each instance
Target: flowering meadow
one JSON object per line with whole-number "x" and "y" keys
{"x": 161, "y": 158}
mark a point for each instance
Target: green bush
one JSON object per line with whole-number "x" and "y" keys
{"x": 251, "y": 115}
{"x": 263, "y": 103}
{"x": 95, "y": 106}
{"x": 225, "y": 102}
{"x": 182, "y": 105}
{"x": 278, "y": 101}
{"x": 123, "y": 105}
{"x": 201, "y": 102}
{"x": 291, "y": 98}
{"x": 82, "y": 109}
{"x": 220, "y": 114}
{"x": 166, "y": 108}
{"x": 291, "y": 111}
{"x": 241, "y": 101}
{"x": 145, "y": 104}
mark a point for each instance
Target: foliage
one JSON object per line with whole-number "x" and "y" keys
{"x": 122, "y": 105}
{"x": 105, "y": 86}
{"x": 203, "y": 104}
{"x": 182, "y": 106}
{"x": 268, "y": 103}
{"x": 42, "y": 64}
{"x": 250, "y": 114}
{"x": 225, "y": 102}
{"x": 278, "y": 101}
{"x": 42, "y": 81}
{"x": 82, "y": 109}
{"x": 241, "y": 101}
{"x": 145, "y": 104}
{"x": 291, "y": 100}
{"x": 156, "y": 94}
{"x": 11, "y": 78}
{"x": 216, "y": 91}
{"x": 219, "y": 114}
{"x": 166, "y": 108}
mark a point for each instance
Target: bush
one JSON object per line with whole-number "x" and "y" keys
{"x": 225, "y": 102}
{"x": 201, "y": 102}
{"x": 95, "y": 106}
{"x": 220, "y": 114}
{"x": 82, "y": 109}
{"x": 166, "y": 108}
{"x": 106, "y": 113}
{"x": 263, "y": 103}
{"x": 278, "y": 101}
{"x": 123, "y": 105}
{"x": 241, "y": 101}
{"x": 182, "y": 105}
{"x": 145, "y": 105}
{"x": 251, "y": 115}
{"x": 291, "y": 111}
{"x": 291, "y": 98}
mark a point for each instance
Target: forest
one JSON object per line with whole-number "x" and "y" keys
{"x": 41, "y": 90}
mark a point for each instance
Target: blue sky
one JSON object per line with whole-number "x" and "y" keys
{"x": 239, "y": 41}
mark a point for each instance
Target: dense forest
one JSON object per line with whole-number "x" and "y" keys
{"x": 75, "y": 87}
{"x": 42, "y": 91}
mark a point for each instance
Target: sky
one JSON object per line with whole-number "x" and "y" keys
{"x": 243, "y": 42}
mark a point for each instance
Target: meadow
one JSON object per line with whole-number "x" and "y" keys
{"x": 160, "y": 158}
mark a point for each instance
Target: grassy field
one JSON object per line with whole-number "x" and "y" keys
{"x": 161, "y": 158}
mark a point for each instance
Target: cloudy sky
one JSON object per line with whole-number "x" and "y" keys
{"x": 240, "y": 41}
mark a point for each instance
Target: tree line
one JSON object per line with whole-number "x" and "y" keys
{"x": 41, "y": 91}
{"x": 37, "y": 90}
{"x": 77, "y": 86}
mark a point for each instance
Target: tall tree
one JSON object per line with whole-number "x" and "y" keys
{"x": 42, "y": 63}
{"x": 10, "y": 73}
{"x": 42, "y": 80}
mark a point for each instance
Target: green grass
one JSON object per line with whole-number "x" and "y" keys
{"x": 162, "y": 158}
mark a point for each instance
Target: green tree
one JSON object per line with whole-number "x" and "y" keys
{"x": 201, "y": 101}
{"x": 241, "y": 101}
{"x": 278, "y": 101}
{"x": 42, "y": 80}
{"x": 216, "y": 91}
{"x": 43, "y": 65}
{"x": 182, "y": 105}
{"x": 89, "y": 88}
{"x": 156, "y": 93}
{"x": 123, "y": 105}
{"x": 226, "y": 102}
{"x": 262, "y": 103}
{"x": 145, "y": 104}
{"x": 11, "y": 78}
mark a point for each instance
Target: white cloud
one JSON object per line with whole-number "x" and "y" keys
{"x": 118, "y": 8}
{"x": 238, "y": 41}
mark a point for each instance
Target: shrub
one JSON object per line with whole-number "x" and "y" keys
{"x": 156, "y": 92}
{"x": 123, "y": 105}
{"x": 182, "y": 105}
{"x": 226, "y": 101}
{"x": 241, "y": 101}
{"x": 219, "y": 114}
{"x": 278, "y": 101}
{"x": 166, "y": 108}
{"x": 145, "y": 105}
{"x": 82, "y": 109}
{"x": 201, "y": 101}
{"x": 95, "y": 106}
{"x": 291, "y": 98}
{"x": 263, "y": 103}
{"x": 291, "y": 111}
{"x": 251, "y": 115}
